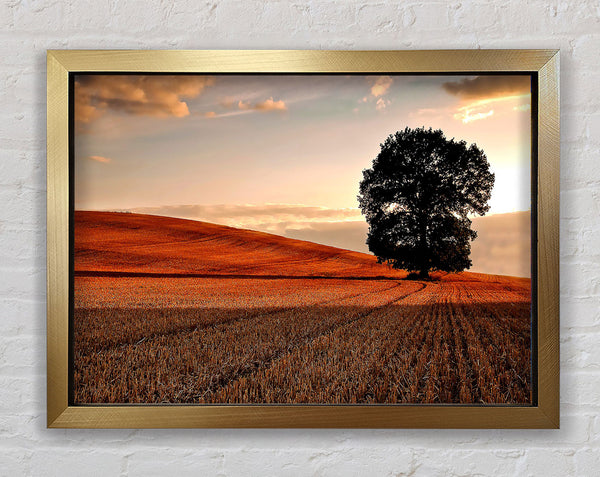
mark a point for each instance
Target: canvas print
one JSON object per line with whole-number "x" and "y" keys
{"x": 302, "y": 239}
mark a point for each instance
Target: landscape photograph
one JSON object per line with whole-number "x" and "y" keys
{"x": 301, "y": 239}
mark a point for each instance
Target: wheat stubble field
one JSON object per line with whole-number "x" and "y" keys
{"x": 178, "y": 311}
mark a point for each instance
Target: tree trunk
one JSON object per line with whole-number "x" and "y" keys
{"x": 424, "y": 258}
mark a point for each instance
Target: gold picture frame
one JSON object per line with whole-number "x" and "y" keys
{"x": 541, "y": 64}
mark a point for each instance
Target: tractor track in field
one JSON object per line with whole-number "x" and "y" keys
{"x": 266, "y": 364}
{"x": 223, "y": 276}
{"x": 205, "y": 326}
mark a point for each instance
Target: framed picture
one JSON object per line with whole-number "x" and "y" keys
{"x": 303, "y": 239}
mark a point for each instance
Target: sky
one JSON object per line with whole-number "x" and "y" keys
{"x": 281, "y": 153}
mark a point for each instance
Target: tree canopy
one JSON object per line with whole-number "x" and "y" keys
{"x": 417, "y": 197}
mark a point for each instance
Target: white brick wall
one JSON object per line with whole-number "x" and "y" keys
{"x": 30, "y": 27}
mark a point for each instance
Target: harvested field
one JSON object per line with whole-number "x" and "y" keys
{"x": 176, "y": 311}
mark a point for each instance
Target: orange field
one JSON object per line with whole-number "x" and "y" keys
{"x": 178, "y": 311}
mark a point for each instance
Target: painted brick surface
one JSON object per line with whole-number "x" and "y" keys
{"x": 29, "y": 28}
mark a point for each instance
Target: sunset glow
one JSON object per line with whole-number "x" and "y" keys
{"x": 281, "y": 154}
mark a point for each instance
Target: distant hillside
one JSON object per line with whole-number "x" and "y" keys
{"x": 502, "y": 245}
{"x": 124, "y": 242}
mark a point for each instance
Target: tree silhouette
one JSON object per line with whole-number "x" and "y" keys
{"x": 416, "y": 198}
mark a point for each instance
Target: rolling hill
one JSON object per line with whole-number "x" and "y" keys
{"x": 136, "y": 243}
{"x": 127, "y": 244}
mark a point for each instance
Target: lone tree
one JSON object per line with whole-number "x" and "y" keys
{"x": 416, "y": 198}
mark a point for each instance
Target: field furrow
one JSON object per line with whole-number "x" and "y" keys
{"x": 397, "y": 354}
{"x": 199, "y": 361}
{"x": 96, "y": 328}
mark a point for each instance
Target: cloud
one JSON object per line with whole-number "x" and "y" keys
{"x": 522, "y": 107}
{"x": 270, "y": 105}
{"x": 480, "y": 109}
{"x": 104, "y": 160}
{"x": 138, "y": 95}
{"x": 350, "y": 235}
{"x": 227, "y": 102}
{"x": 259, "y": 217}
{"x": 426, "y": 111}
{"x": 381, "y": 104}
{"x": 467, "y": 115}
{"x": 489, "y": 86}
{"x": 264, "y": 106}
{"x": 481, "y": 92}
{"x": 210, "y": 114}
{"x": 381, "y": 85}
